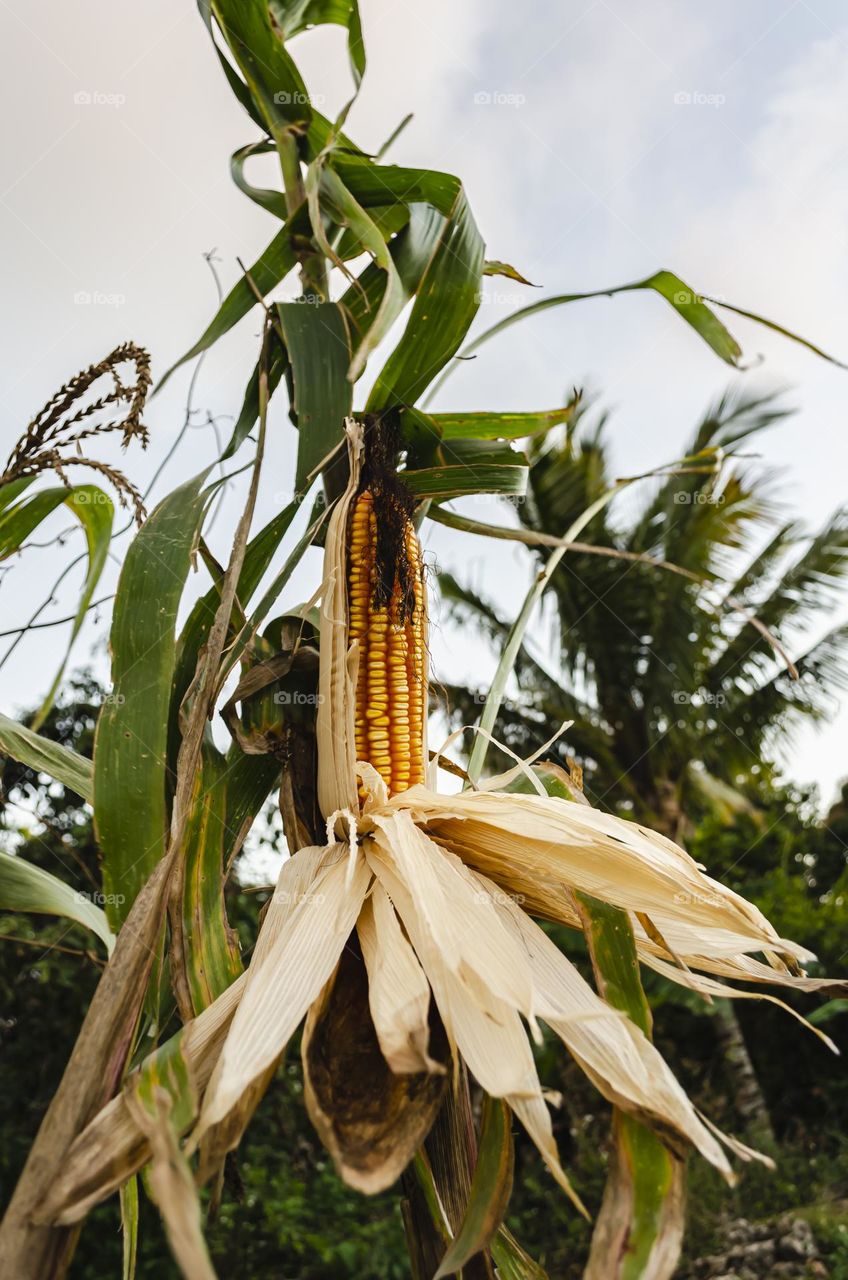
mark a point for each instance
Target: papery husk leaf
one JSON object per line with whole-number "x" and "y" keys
{"x": 297, "y": 879}
{"x": 448, "y": 899}
{"x": 614, "y": 1053}
{"x": 335, "y": 724}
{"x": 485, "y": 1029}
{"x": 398, "y": 990}
{"x": 371, "y": 1120}
{"x": 710, "y": 987}
{"x": 536, "y": 848}
{"x": 289, "y": 977}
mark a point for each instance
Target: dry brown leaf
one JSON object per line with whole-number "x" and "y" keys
{"x": 172, "y": 1187}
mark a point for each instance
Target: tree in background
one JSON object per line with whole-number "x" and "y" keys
{"x": 674, "y": 681}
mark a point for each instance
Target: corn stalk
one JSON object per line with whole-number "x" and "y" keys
{"x": 172, "y": 812}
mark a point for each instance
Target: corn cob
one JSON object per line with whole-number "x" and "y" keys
{"x": 392, "y": 675}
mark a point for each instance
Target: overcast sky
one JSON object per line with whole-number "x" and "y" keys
{"x": 598, "y": 140}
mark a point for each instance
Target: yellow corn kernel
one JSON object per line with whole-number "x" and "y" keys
{"x": 391, "y": 688}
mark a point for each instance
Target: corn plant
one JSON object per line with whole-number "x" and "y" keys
{"x": 404, "y": 931}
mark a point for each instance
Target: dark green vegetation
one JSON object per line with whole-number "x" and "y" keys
{"x": 284, "y": 1212}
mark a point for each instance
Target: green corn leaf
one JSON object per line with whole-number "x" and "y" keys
{"x": 238, "y": 86}
{"x": 250, "y": 781}
{"x": 686, "y": 302}
{"x": 265, "y": 197}
{"x": 24, "y": 887}
{"x": 272, "y": 91}
{"x": 411, "y": 251}
{"x": 317, "y": 343}
{"x": 58, "y": 762}
{"x": 129, "y": 1226}
{"x": 375, "y": 184}
{"x": 95, "y": 512}
{"x": 512, "y": 1261}
{"x": 641, "y": 1218}
{"x": 210, "y": 949}
{"x": 328, "y": 195}
{"x": 459, "y": 481}
{"x": 12, "y": 490}
{"x": 777, "y": 328}
{"x": 422, "y": 429}
{"x": 130, "y": 766}
{"x": 20, "y": 519}
{"x": 248, "y": 417}
{"x": 491, "y": 1187}
{"x": 495, "y": 268}
{"x": 689, "y": 305}
{"x": 445, "y": 303}
{"x": 276, "y": 87}
{"x": 294, "y": 16}
{"x": 389, "y": 219}
{"x": 447, "y": 280}
{"x": 828, "y": 1011}
{"x": 271, "y": 594}
{"x": 474, "y": 452}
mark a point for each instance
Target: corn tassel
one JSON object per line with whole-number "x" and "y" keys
{"x": 391, "y": 682}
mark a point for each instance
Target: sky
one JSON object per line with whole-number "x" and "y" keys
{"x": 599, "y": 140}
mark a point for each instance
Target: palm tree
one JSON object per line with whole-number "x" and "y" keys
{"x": 676, "y": 690}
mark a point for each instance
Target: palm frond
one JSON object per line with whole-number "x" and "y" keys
{"x": 801, "y": 592}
